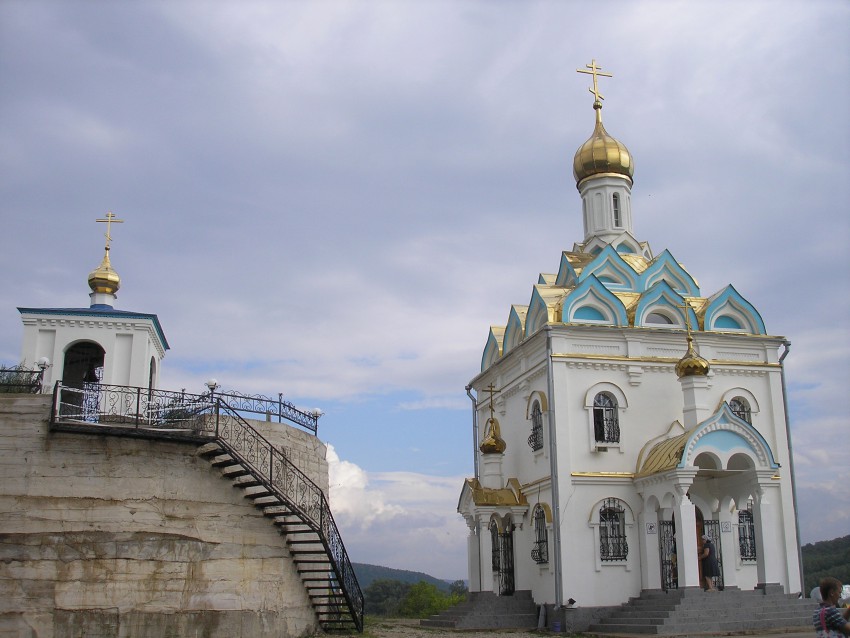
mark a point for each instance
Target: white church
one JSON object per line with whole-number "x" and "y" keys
{"x": 621, "y": 414}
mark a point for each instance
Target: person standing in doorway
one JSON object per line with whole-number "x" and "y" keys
{"x": 710, "y": 567}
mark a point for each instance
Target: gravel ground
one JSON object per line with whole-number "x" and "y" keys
{"x": 406, "y": 628}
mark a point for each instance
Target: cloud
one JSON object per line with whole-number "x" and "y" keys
{"x": 390, "y": 518}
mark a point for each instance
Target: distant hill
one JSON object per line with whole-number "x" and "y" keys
{"x": 367, "y": 574}
{"x": 826, "y": 558}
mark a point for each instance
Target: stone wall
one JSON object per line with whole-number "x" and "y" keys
{"x": 111, "y": 536}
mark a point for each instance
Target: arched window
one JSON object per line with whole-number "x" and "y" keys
{"x": 741, "y": 408}
{"x": 606, "y": 423}
{"x": 540, "y": 553}
{"x": 612, "y": 531}
{"x": 618, "y": 220}
{"x": 747, "y": 533}
{"x": 657, "y": 317}
{"x": 535, "y": 439}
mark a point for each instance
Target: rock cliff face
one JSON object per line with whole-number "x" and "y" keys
{"x": 112, "y": 536}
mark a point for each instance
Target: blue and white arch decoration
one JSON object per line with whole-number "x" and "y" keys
{"x": 592, "y": 302}
{"x": 538, "y": 314}
{"x": 665, "y": 268}
{"x": 724, "y": 436}
{"x": 728, "y": 311}
{"x": 662, "y": 299}
{"x": 515, "y": 330}
{"x": 612, "y": 270}
{"x": 567, "y": 275}
{"x": 493, "y": 349}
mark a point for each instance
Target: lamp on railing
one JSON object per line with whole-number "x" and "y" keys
{"x": 42, "y": 364}
{"x": 317, "y": 412}
{"x": 213, "y": 385}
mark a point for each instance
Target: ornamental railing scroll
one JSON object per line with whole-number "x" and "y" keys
{"x": 272, "y": 408}
{"x": 540, "y": 553}
{"x": 20, "y": 380}
{"x": 669, "y": 562}
{"x": 746, "y": 535}
{"x": 210, "y": 417}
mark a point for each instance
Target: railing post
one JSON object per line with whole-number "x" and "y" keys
{"x": 215, "y": 405}
{"x": 138, "y": 405}
{"x": 280, "y": 407}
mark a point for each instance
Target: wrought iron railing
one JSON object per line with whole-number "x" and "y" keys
{"x": 276, "y": 408}
{"x": 209, "y": 416}
{"x": 19, "y": 379}
{"x": 535, "y": 439}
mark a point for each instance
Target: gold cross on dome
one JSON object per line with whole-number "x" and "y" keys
{"x": 595, "y": 71}
{"x": 687, "y": 306}
{"x": 492, "y": 390}
{"x": 109, "y": 220}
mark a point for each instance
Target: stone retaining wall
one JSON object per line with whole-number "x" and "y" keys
{"x": 111, "y": 536}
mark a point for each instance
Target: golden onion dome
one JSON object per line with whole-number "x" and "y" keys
{"x": 493, "y": 442}
{"x": 104, "y": 279}
{"x": 692, "y": 365}
{"x": 602, "y": 154}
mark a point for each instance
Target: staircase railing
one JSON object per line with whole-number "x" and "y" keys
{"x": 211, "y": 418}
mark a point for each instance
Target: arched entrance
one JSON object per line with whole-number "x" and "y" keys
{"x": 83, "y": 364}
{"x": 503, "y": 556}
{"x": 710, "y": 528}
{"x": 83, "y": 370}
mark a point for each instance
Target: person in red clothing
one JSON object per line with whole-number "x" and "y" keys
{"x": 828, "y": 620}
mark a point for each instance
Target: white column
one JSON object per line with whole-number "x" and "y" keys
{"x": 686, "y": 535}
{"x": 473, "y": 556}
{"x": 769, "y": 555}
{"x": 491, "y": 471}
{"x": 650, "y": 557}
{"x": 486, "y": 545}
{"x": 729, "y": 547}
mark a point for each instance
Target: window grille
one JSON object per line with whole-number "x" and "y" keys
{"x": 606, "y": 423}
{"x": 747, "y": 533}
{"x": 741, "y": 408}
{"x": 535, "y": 439}
{"x": 612, "y": 531}
{"x": 540, "y": 553}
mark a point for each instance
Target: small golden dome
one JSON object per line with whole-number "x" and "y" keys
{"x": 104, "y": 279}
{"x": 692, "y": 365}
{"x": 602, "y": 154}
{"x": 493, "y": 442}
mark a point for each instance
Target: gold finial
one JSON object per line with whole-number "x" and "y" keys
{"x": 596, "y": 72}
{"x": 493, "y": 442}
{"x": 692, "y": 364}
{"x": 109, "y": 220}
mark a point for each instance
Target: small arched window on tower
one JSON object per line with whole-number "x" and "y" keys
{"x": 612, "y": 530}
{"x": 618, "y": 218}
{"x": 606, "y": 422}
{"x": 535, "y": 439}
{"x": 741, "y": 408}
{"x": 747, "y": 533}
{"x": 540, "y": 553}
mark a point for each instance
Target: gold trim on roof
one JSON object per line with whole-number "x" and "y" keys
{"x": 510, "y": 496}
{"x": 603, "y": 474}
{"x": 665, "y": 456}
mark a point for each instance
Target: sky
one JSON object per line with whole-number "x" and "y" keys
{"x": 335, "y": 200}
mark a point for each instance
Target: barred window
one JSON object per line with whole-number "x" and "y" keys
{"x": 612, "y": 530}
{"x": 535, "y": 439}
{"x": 540, "y": 553}
{"x": 747, "y": 533}
{"x": 741, "y": 408}
{"x": 606, "y": 422}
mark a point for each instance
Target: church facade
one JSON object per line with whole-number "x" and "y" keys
{"x": 621, "y": 416}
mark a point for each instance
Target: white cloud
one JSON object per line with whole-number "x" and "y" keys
{"x": 403, "y": 519}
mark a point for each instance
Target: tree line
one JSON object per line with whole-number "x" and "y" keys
{"x": 388, "y": 597}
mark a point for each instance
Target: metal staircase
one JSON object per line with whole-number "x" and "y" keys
{"x": 285, "y": 495}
